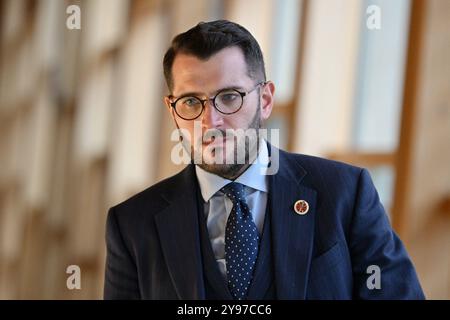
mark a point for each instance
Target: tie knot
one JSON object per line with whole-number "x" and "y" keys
{"x": 234, "y": 191}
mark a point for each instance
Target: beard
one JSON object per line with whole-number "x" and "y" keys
{"x": 235, "y": 168}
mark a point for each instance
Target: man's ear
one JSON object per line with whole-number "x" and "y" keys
{"x": 167, "y": 102}
{"x": 169, "y": 107}
{"x": 267, "y": 99}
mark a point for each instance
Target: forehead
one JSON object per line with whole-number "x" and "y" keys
{"x": 224, "y": 69}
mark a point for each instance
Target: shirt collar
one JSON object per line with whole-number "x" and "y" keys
{"x": 254, "y": 177}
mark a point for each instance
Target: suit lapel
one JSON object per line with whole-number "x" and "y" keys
{"x": 178, "y": 231}
{"x": 292, "y": 233}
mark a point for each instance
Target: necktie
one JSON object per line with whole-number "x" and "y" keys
{"x": 241, "y": 242}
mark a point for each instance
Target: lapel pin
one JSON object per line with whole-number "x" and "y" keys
{"x": 301, "y": 207}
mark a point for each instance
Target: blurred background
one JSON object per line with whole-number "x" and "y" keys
{"x": 83, "y": 125}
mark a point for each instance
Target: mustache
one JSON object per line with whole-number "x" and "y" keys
{"x": 214, "y": 133}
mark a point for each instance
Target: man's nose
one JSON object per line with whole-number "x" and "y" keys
{"x": 211, "y": 118}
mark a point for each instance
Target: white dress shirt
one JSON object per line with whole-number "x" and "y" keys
{"x": 218, "y": 207}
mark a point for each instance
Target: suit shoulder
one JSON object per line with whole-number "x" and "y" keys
{"x": 152, "y": 199}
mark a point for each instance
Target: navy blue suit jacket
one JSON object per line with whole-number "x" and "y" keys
{"x": 153, "y": 242}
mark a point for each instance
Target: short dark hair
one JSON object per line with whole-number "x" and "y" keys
{"x": 208, "y": 38}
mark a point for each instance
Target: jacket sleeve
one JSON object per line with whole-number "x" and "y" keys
{"x": 376, "y": 251}
{"x": 121, "y": 280}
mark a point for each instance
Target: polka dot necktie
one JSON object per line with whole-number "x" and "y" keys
{"x": 241, "y": 242}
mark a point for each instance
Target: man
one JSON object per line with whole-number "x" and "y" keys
{"x": 274, "y": 225}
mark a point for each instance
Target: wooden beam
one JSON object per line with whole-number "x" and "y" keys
{"x": 293, "y": 106}
{"x": 409, "y": 110}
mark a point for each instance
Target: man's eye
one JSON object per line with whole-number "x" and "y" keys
{"x": 228, "y": 97}
{"x": 190, "y": 102}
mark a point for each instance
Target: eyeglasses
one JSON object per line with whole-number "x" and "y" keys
{"x": 226, "y": 101}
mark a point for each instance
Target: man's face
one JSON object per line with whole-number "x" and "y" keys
{"x": 204, "y": 78}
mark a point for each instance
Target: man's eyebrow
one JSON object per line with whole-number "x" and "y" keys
{"x": 187, "y": 94}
